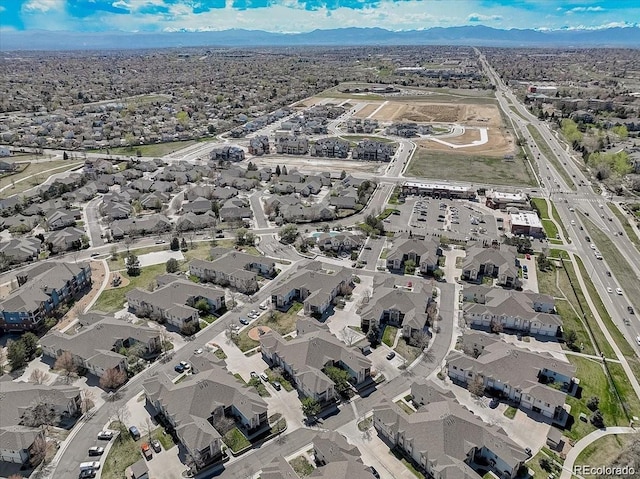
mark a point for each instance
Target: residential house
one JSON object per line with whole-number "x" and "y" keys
{"x": 17, "y": 436}
{"x": 292, "y": 145}
{"x": 98, "y": 344}
{"x": 175, "y": 301}
{"x": 423, "y": 253}
{"x": 524, "y": 312}
{"x": 371, "y": 150}
{"x": 114, "y": 210}
{"x": 316, "y": 289}
{"x": 141, "y": 226}
{"x": 198, "y": 206}
{"x": 339, "y": 241}
{"x": 259, "y": 145}
{"x": 20, "y": 250}
{"x": 235, "y": 209}
{"x": 447, "y": 441}
{"x": 227, "y": 153}
{"x": 498, "y": 263}
{"x": 192, "y": 408}
{"x": 330, "y": 148}
{"x": 193, "y": 221}
{"x": 58, "y": 219}
{"x": 305, "y": 357}
{"x": 42, "y": 289}
{"x": 66, "y": 239}
{"x": 535, "y": 381}
{"x": 234, "y": 269}
{"x": 397, "y": 306}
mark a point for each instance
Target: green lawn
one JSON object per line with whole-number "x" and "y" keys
{"x": 550, "y": 228}
{"x": 625, "y": 224}
{"x": 36, "y": 169}
{"x": 112, "y": 300}
{"x": 541, "y": 205}
{"x": 510, "y": 412}
{"x": 604, "y": 450}
{"x": 157, "y": 149}
{"x": 408, "y": 352}
{"x": 621, "y": 269}
{"x": 426, "y": 163}
{"x": 235, "y": 440}
{"x": 302, "y": 466}
{"x": 282, "y": 323}
{"x": 547, "y": 282}
{"x": 593, "y": 382}
{"x": 571, "y": 321}
{"x": 389, "y": 335}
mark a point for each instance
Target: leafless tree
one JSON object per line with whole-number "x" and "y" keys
{"x": 348, "y": 335}
{"x": 38, "y": 376}
{"x": 420, "y": 339}
{"x": 113, "y": 378}
{"x": 476, "y": 387}
{"x": 121, "y": 416}
{"x": 221, "y": 422}
{"x": 38, "y": 451}
{"x": 67, "y": 365}
{"x": 88, "y": 401}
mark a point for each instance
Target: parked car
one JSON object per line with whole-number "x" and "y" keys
{"x": 179, "y": 368}
{"x": 264, "y": 377}
{"x": 391, "y": 355}
{"x": 373, "y": 472}
{"x": 96, "y": 451}
{"x": 244, "y": 321}
{"x": 87, "y": 473}
{"x": 276, "y": 385}
{"x": 105, "y": 435}
{"x": 95, "y": 465}
{"x": 156, "y": 446}
{"x": 146, "y": 451}
{"x": 254, "y": 375}
{"x": 135, "y": 434}
{"x": 494, "y": 403}
{"x": 198, "y": 351}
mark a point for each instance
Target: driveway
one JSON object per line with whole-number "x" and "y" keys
{"x": 286, "y": 403}
{"x": 159, "y": 257}
{"x": 531, "y": 282}
{"x": 166, "y": 464}
{"x": 523, "y": 429}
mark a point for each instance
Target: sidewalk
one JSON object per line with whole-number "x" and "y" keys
{"x": 567, "y": 470}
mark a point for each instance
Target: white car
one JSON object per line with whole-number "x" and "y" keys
{"x": 609, "y": 290}
{"x": 638, "y": 340}
{"x": 619, "y": 291}
{"x": 592, "y": 246}
{"x": 198, "y": 351}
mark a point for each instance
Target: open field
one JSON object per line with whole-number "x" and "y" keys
{"x": 498, "y": 143}
{"x": 625, "y": 224}
{"x": 367, "y": 110}
{"x": 157, "y": 149}
{"x": 604, "y": 450}
{"x": 470, "y": 168}
{"x": 36, "y": 169}
{"x": 321, "y": 164}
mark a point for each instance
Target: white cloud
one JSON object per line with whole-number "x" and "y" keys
{"x": 43, "y": 5}
{"x": 585, "y": 9}
{"x": 479, "y": 17}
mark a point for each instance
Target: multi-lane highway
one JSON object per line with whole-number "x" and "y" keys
{"x": 570, "y": 201}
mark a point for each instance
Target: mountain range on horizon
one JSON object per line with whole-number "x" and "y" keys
{"x": 479, "y": 35}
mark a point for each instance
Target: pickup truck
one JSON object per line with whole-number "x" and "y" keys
{"x": 146, "y": 451}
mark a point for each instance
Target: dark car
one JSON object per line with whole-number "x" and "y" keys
{"x": 494, "y": 403}
{"x": 587, "y": 239}
{"x": 95, "y": 451}
{"x": 630, "y": 309}
{"x": 609, "y": 274}
{"x": 135, "y": 434}
{"x": 391, "y": 355}
{"x": 179, "y": 368}
{"x": 244, "y": 321}
{"x": 87, "y": 473}
{"x": 373, "y": 472}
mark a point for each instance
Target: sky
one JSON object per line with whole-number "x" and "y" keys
{"x": 305, "y": 15}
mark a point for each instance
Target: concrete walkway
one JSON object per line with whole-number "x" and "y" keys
{"x": 569, "y": 462}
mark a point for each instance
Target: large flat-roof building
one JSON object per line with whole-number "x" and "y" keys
{"x": 526, "y": 223}
{"x": 438, "y": 190}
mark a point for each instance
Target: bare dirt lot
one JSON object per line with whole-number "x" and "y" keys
{"x": 367, "y": 110}
{"x": 499, "y": 143}
{"x": 320, "y": 164}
